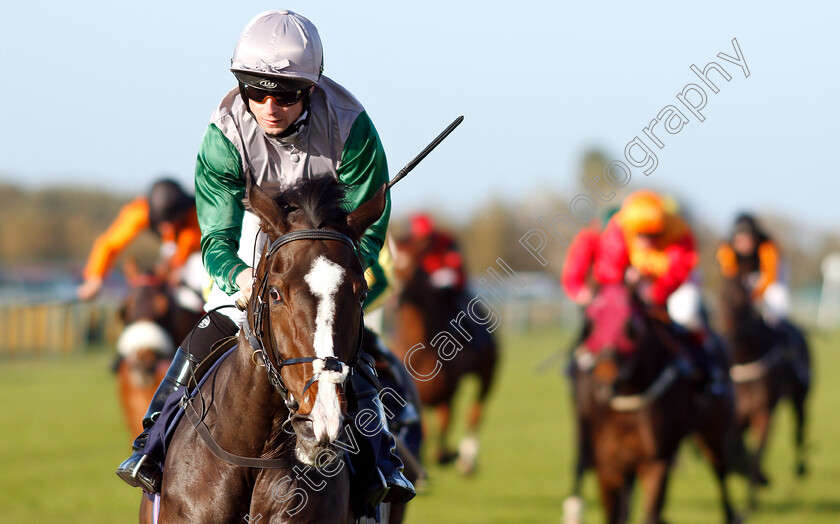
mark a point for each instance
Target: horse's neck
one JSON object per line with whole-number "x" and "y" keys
{"x": 651, "y": 359}
{"x": 751, "y": 337}
{"x": 250, "y": 411}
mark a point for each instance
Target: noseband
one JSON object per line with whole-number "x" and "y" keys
{"x": 329, "y": 369}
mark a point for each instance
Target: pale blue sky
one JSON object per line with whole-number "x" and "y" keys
{"x": 112, "y": 94}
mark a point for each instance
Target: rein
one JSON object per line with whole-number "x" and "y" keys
{"x": 757, "y": 369}
{"x": 586, "y": 361}
{"x": 329, "y": 369}
{"x": 626, "y": 403}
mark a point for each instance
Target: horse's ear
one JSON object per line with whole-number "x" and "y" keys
{"x": 267, "y": 210}
{"x": 367, "y": 213}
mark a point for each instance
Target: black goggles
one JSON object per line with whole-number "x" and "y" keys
{"x": 282, "y": 98}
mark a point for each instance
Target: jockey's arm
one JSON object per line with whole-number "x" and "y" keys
{"x": 364, "y": 169}
{"x": 132, "y": 219}
{"x": 579, "y": 259}
{"x": 682, "y": 257}
{"x": 727, "y": 260}
{"x": 219, "y": 190}
{"x": 612, "y": 258}
{"x": 768, "y": 267}
{"x": 187, "y": 240}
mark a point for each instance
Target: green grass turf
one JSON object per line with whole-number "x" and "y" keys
{"x": 62, "y": 435}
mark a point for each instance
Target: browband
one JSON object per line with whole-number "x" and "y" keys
{"x": 309, "y": 234}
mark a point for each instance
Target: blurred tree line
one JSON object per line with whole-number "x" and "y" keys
{"x": 59, "y": 225}
{"x": 495, "y": 230}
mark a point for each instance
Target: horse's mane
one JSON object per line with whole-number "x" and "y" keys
{"x": 317, "y": 201}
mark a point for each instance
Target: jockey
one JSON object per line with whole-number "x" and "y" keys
{"x": 645, "y": 244}
{"x": 170, "y": 213}
{"x": 649, "y": 245}
{"x": 283, "y": 122}
{"x": 439, "y": 255}
{"x": 751, "y": 254}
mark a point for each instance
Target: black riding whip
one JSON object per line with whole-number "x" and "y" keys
{"x": 411, "y": 165}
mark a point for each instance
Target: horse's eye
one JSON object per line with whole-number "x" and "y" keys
{"x": 363, "y": 297}
{"x": 274, "y": 294}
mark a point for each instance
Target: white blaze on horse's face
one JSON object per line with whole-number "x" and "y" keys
{"x": 324, "y": 279}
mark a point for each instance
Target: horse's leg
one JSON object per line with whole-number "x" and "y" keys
{"x": 573, "y": 504}
{"x": 146, "y": 508}
{"x": 584, "y": 455}
{"x": 760, "y": 424}
{"x": 654, "y": 477}
{"x": 799, "y": 412}
{"x": 467, "y": 455}
{"x": 801, "y": 369}
{"x": 610, "y": 484}
{"x": 444, "y": 416}
{"x": 624, "y": 499}
{"x": 484, "y": 363}
{"x": 720, "y": 440}
{"x": 397, "y": 513}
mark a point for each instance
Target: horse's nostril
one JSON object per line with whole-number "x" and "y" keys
{"x": 303, "y": 427}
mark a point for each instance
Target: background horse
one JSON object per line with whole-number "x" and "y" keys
{"x": 431, "y": 317}
{"x": 634, "y": 406}
{"x": 154, "y": 325}
{"x": 764, "y": 370}
{"x": 275, "y": 407}
{"x": 714, "y": 425}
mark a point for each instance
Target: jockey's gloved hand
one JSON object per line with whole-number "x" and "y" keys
{"x": 444, "y": 278}
{"x": 583, "y": 297}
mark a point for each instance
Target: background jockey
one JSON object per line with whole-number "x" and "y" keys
{"x": 752, "y": 255}
{"x": 438, "y": 254}
{"x": 646, "y": 244}
{"x": 169, "y": 212}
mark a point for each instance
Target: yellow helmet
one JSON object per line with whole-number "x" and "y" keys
{"x": 643, "y": 213}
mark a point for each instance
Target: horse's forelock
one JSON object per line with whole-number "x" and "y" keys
{"x": 316, "y": 203}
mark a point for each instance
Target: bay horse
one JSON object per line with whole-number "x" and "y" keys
{"x": 634, "y": 405}
{"x": 426, "y": 318}
{"x": 275, "y": 408}
{"x": 764, "y": 371}
{"x": 154, "y": 324}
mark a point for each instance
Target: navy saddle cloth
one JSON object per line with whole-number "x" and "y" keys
{"x": 173, "y": 410}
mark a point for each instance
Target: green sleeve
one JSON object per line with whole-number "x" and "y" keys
{"x": 364, "y": 169}
{"x": 219, "y": 189}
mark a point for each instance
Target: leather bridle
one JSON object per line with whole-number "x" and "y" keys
{"x": 330, "y": 369}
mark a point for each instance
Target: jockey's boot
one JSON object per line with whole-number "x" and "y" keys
{"x": 136, "y": 470}
{"x": 387, "y": 482}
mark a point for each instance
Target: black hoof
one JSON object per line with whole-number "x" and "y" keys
{"x": 762, "y": 480}
{"x": 446, "y": 457}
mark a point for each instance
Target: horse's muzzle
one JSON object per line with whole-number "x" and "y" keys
{"x": 313, "y": 451}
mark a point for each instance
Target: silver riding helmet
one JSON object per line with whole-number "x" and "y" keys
{"x": 278, "y": 50}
